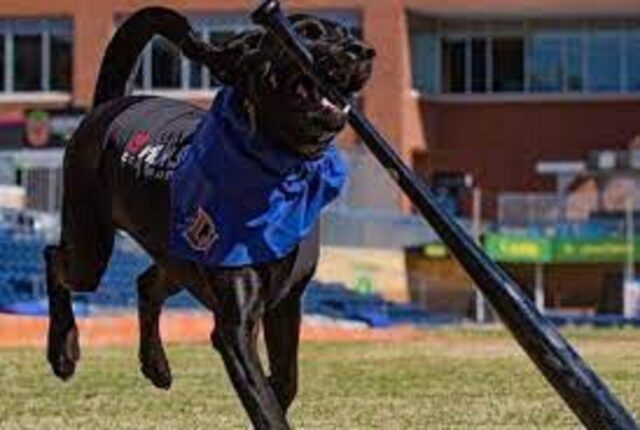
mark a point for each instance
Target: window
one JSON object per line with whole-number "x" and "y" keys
{"x": 555, "y": 62}
{"x": 454, "y": 65}
{"x": 465, "y": 64}
{"x": 424, "y": 50}
{"x": 27, "y": 56}
{"x": 478, "y": 65}
{"x": 575, "y": 69}
{"x": 604, "y": 61}
{"x": 633, "y": 62}
{"x": 35, "y": 55}
{"x": 162, "y": 67}
{"x": 196, "y": 71}
{"x": 546, "y": 69}
{"x": 61, "y": 58}
{"x": 508, "y": 64}
{"x": 166, "y": 65}
{"x": 528, "y": 56}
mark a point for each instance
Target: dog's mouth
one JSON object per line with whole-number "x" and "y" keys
{"x": 348, "y": 67}
{"x": 318, "y": 106}
{"x": 312, "y": 100}
{"x": 313, "y": 117}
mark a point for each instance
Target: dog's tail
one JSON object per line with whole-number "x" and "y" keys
{"x": 130, "y": 40}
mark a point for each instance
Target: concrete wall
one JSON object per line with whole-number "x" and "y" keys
{"x": 367, "y": 270}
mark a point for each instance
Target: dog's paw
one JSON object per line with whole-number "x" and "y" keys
{"x": 63, "y": 352}
{"x": 156, "y": 369}
{"x": 160, "y": 377}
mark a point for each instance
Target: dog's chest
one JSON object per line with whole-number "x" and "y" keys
{"x": 239, "y": 198}
{"x": 151, "y": 136}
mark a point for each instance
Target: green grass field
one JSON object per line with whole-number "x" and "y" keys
{"x": 451, "y": 379}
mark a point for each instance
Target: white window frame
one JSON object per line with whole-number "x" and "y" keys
{"x": 486, "y": 33}
{"x": 585, "y": 28}
{"x": 45, "y": 27}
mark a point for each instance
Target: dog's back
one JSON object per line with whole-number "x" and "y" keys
{"x": 123, "y": 149}
{"x": 149, "y": 135}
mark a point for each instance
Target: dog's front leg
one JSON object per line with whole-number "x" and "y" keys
{"x": 281, "y": 334}
{"x": 238, "y": 311}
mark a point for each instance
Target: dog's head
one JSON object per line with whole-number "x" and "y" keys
{"x": 284, "y": 102}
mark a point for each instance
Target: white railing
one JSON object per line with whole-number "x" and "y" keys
{"x": 523, "y": 209}
{"x": 39, "y": 172}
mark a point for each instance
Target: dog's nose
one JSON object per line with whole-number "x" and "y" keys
{"x": 366, "y": 52}
{"x": 369, "y": 53}
{"x": 361, "y": 50}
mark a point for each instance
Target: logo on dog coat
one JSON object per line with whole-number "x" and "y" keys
{"x": 202, "y": 233}
{"x": 155, "y": 157}
{"x": 137, "y": 142}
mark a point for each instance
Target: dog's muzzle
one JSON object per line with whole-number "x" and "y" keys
{"x": 348, "y": 64}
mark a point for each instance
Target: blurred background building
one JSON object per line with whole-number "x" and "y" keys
{"x": 534, "y": 104}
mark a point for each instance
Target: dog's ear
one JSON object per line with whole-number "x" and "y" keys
{"x": 236, "y": 57}
{"x": 230, "y": 60}
{"x": 309, "y": 27}
{"x": 250, "y": 51}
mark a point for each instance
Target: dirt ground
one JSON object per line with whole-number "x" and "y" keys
{"x": 178, "y": 327}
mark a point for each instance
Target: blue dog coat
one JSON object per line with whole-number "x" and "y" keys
{"x": 238, "y": 198}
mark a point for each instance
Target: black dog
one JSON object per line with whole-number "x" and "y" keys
{"x": 118, "y": 173}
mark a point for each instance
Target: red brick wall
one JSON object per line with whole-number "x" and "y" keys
{"x": 500, "y": 143}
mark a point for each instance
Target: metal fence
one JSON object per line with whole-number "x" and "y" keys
{"x": 524, "y": 209}
{"x": 369, "y": 186}
{"x": 546, "y": 214}
{"x": 38, "y": 172}
{"x": 378, "y": 229}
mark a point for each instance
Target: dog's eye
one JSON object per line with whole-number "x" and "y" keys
{"x": 301, "y": 91}
{"x": 273, "y": 80}
{"x": 311, "y": 30}
{"x": 303, "y": 87}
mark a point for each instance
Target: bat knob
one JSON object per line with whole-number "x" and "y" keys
{"x": 264, "y": 11}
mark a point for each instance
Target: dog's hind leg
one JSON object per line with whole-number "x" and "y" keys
{"x": 281, "y": 334}
{"x": 153, "y": 289}
{"x": 76, "y": 264}
{"x": 63, "y": 351}
{"x": 239, "y": 308}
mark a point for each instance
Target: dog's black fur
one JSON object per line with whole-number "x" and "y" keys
{"x": 102, "y": 194}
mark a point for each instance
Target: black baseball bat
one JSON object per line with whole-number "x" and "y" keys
{"x": 585, "y": 394}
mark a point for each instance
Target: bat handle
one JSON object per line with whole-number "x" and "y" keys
{"x": 269, "y": 15}
{"x": 264, "y": 11}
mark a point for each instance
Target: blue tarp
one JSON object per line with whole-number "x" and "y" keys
{"x": 39, "y": 308}
{"x": 336, "y": 301}
{"x": 606, "y": 320}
